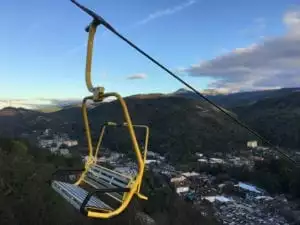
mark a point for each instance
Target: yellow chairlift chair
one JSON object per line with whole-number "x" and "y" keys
{"x": 96, "y": 179}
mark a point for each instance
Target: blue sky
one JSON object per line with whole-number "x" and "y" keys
{"x": 43, "y": 44}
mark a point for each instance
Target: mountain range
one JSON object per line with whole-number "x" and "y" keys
{"x": 181, "y": 123}
{"x": 272, "y": 113}
{"x": 232, "y": 100}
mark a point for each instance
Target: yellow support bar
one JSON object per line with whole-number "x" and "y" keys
{"x": 141, "y": 196}
{"x": 89, "y": 57}
{"x": 90, "y": 160}
{"x": 99, "y": 142}
{"x": 87, "y": 126}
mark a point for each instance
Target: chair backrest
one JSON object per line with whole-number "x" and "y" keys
{"x": 100, "y": 177}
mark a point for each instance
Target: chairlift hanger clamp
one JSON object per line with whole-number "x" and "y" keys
{"x": 98, "y": 92}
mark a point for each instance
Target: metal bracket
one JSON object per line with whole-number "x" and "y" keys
{"x": 98, "y": 94}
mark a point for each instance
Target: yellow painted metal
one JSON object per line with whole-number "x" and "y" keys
{"x": 141, "y": 196}
{"x": 89, "y": 56}
{"x": 117, "y": 211}
{"x": 95, "y": 209}
{"x": 99, "y": 141}
{"x": 87, "y": 126}
{"x": 90, "y": 159}
{"x": 97, "y": 91}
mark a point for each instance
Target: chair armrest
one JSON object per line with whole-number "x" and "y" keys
{"x": 100, "y": 191}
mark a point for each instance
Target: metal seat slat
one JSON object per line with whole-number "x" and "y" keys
{"x": 109, "y": 180}
{"x": 101, "y": 177}
{"x": 76, "y": 195}
{"x": 122, "y": 177}
{"x": 99, "y": 185}
{"x": 106, "y": 174}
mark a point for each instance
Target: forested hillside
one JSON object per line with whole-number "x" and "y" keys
{"x": 272, "y": 113}
{"x": 276, "y": 118}
{"x": 26, "y": 197}
{"x": 179, "y": 126}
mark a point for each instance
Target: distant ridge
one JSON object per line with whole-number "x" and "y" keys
{"x": 230, "y": 100}
{"x": 11, "y": 111}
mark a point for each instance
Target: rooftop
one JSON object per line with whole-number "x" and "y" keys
{"x": 218, "y": 198}
{"x": 248, "y": 187}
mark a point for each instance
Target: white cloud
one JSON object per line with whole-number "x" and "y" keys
{"x": 138, "y": 76}
{"x": 292, "y": 21}
{"x": 215, "y": 91}
{"x": 166, "y": 12}
{"x": 271, "y": 64}
{"x": 36, "y": 103}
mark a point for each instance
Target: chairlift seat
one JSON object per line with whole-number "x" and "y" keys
{"x": 98, "y": 178}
